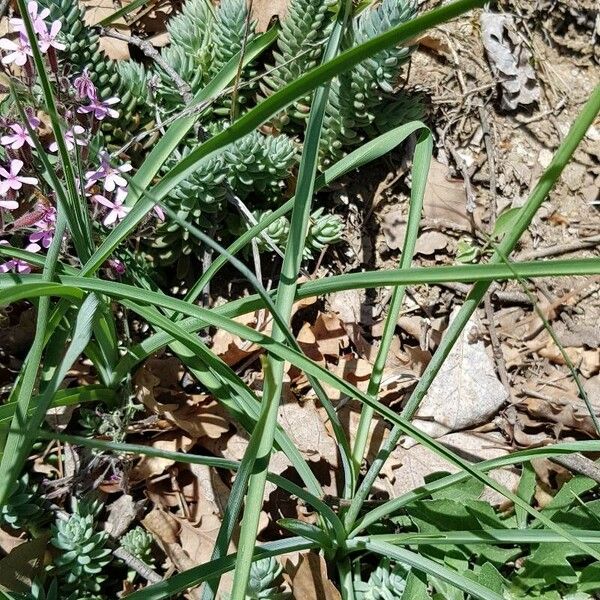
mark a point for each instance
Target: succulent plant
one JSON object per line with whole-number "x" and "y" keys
{"x": 25, "y": 507}
{"x": 228, "y": 32}
{"x": 354, "y": 111}
{"x": 324, "y": 229}
{"x": 190, "y": 30}
{"x": 299, "y": 48}
{"x": 255, "y": 165}
{"x": 139, "y": 543}
{"x": 278, "y": 231}
{"x": 83, "y": 554}
{"x": 259, "y": 163}
{"x": 385, "y": 583}
{"x": 266, "y": 581}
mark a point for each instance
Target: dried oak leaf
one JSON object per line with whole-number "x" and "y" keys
{"x": 510, "y": 59}
{"x": 263, "y": 11}
{"x": 156, "y": 385}
{"x": 96, "y": 10}
{"x": 150, "y": 466}
{"x": 311, "y": 580}
{"x": 445, "y": 198}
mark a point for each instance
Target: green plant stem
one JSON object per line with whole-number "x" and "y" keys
{"x": 421, "y": 162}
{"x": 506, "y": 246}
{"x": 286, "y": 292}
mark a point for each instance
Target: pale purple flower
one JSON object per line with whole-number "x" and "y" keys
{"x": 118, "y": 210}
{"x": 160, "y": 213}
{"x": 110, "y": 175}
{"x": 37, "y": 20}
{"x": 16, "y": 265}
{"x": 18, "y": 138}
{"x": 19, "y": 50}
{"x": 46, "y": 225}
{"x": 84, "y": 86}
{"x": 47, "y": 37}
{"x": 12, "y": 180}
{"x": 72, "y": 137}
{"x": 101, "y": 108}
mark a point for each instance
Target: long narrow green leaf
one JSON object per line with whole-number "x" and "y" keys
{"x": 483, "y": 536}
{"x": 285, "y": 353}
{"x": 420, "y": 171}
{"x": 66, "y": 397}
{"x": 195, "y": 576}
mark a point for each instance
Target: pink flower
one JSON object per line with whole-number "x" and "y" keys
{"x": 101, "y": 108}
{"x": 160, "y": 213}
{"x": 37, "y": 20}
{"x": 19, "y": 50}
{"x": 72, "y": 137}
{"x": 12, "y": 180}
{"x": 45, "y": 230}
{"x": 18, "y": 138}
{"x": 16, "y": 265}
{"x": 84, "y": 86}
{"x": 47, "y": 37}
{"x": 118, "y": 210}
{"x": 110, "y": 175}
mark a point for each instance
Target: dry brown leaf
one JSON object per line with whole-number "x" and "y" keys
{"x": 150, "y": 466}
{"x": 565, "y": 414}
{"x": 8, "y": 541}
{"x": 393, "y": 227}
{"x": 311, "y": 580}
{"x": 466, "y": 391}
{"x": 430, "y": 242}
{"x": 265, "y": 10}
{"x": 435, "y": 43}
{"x": 162, "y": 525}
{"x": 445, "y": 197}
{"x": 96, "y": 10}
{"x": 304, "y": 426}
{"x": 157, "y": 386}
